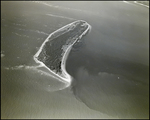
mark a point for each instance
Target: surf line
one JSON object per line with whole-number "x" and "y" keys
{"x": 141, "y": 4}
{"x": 64, "y": 77}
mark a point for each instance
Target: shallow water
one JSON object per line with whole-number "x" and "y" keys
{"x": 109, "y": 66}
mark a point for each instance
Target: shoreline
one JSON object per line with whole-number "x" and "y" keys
{"x": 64, "y": 77}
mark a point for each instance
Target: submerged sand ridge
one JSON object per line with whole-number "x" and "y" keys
{"x": 54, "y": 51}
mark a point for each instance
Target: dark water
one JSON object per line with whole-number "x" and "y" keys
{"x": 113, "y": 86}
{"x": 109, "y": 66}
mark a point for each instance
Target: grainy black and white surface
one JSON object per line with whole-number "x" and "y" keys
{"x": 109, "y": 66}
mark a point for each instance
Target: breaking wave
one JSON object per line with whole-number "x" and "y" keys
{"x": 54, "y": 51}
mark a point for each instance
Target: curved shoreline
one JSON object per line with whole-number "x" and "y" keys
{"x": 65, "y": 77}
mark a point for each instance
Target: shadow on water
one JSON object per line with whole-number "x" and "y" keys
{"x": 107, "y": 84}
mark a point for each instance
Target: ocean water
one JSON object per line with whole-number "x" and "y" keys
{"x": 109, "y": 66}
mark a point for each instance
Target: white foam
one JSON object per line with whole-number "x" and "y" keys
{"x": 23, "y": 67}
{"x": 58, "y": 16}
{"x": 37, "y": 31}
{"x": 67, "y": 8}
{"x": 41, "y": 32}
{"x": 2, "y": 54}
{"x": 136, "y": 3}
{"x": 35, "y": 68}
{"x": 19, "y": 24}
{"x": 20, "y": 35}
{"x": 141, "y": 4}
{"x": 65, "y": 77}
{"x": 127, "y": 2}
